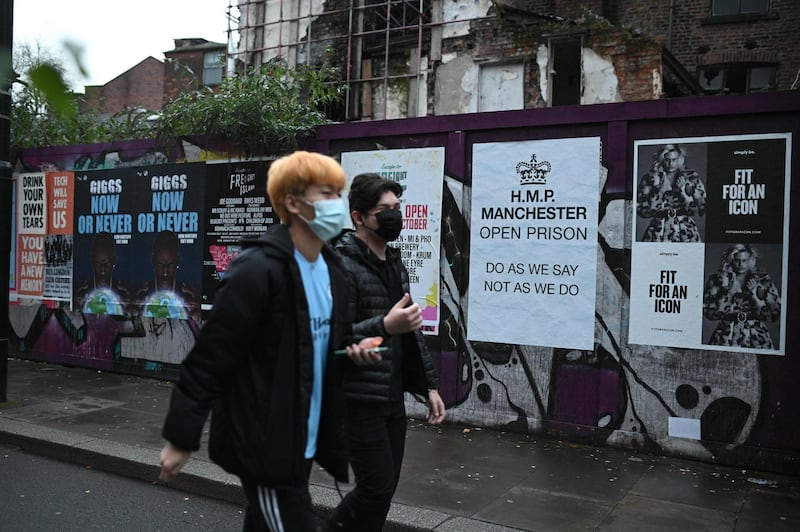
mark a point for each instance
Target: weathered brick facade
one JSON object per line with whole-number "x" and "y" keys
{"x": 697, "y": 39}
{"x": 636, "y": 61}
{"x": 151, "y": 83}
{"x": 141, "y": 87}
{"x": 655, "y": 49}
{"x": 639, "y": 49}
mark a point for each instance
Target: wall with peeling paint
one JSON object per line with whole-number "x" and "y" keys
{"x": 456, "y": 86}
{"x": 484, "y": 41}
{"x": 471, "y": 36}
{"x": 457, "y": 13}
{"x": 600, "y": 84}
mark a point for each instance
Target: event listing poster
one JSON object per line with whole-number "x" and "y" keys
{"x": 59, "y": 239}
{"x": 237, "y": 207}
{"x": 710, "y": 249}
{"x": 533, "y": 233}
{"x": 420, "y": 171}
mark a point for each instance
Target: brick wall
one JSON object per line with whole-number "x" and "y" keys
{"x": 575, "y": 10}
{"x": 697, "y": 40}
{"x": 183, "y": 72}
{"x": 140, "y": 87}
{"x": 631, "y": 33}
{"x": 635, "y": 61}
{"x": 491, "y": 41}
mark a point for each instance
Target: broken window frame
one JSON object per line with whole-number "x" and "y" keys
{"x": 731, "y": 71}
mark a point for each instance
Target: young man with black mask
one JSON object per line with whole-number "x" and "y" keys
{"x": 379, "y": 293}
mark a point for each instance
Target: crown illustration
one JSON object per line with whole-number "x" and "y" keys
{"x": 534, "y": 172}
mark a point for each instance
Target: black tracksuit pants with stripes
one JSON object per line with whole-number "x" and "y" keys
{"x": 279, "y": 509}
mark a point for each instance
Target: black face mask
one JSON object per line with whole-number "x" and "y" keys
{"x": 390, "y": 223}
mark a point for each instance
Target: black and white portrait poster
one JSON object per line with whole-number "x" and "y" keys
{"x": 710, "y": 249}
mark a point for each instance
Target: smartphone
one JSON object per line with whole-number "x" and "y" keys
{"x": 380, "y": 349}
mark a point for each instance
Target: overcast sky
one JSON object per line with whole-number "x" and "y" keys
{"x": 117, "y": 36}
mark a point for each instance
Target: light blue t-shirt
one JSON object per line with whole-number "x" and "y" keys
{"x": 317, "y": 284}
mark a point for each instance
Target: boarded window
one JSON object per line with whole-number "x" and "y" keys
{"x": 501, "y": 87}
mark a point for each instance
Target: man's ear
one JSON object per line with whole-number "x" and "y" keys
{"x": 291, "y": 204}
{"x": 357, "y": 217}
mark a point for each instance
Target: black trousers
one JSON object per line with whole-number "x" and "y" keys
{"x": 377, "y": 435}
{"x": 279, "y": 508}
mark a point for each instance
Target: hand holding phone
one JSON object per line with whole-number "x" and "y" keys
{"x": 367, "y": 352}
{"x": 377, "y": 349}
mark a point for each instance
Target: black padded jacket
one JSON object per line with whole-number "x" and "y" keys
{"x": 252, "y": 363}
{"x": 370, "y": 299}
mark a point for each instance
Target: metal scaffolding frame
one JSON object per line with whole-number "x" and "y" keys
{"x": 362, "y": 34}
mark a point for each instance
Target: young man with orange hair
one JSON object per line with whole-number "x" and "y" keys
{"x": 264, "y": 359}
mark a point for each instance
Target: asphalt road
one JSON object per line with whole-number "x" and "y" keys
{"x": 39, "y": 494}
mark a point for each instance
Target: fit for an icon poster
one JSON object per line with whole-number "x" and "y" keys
{"x": 710, "y": 250}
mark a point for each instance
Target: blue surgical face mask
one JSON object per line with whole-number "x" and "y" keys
{"x": 329, "y": 217}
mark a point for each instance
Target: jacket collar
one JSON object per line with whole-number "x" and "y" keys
{"x": 277, "y": 243}
{"x": 349, "y": 245}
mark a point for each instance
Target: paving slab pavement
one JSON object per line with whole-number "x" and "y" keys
{"x": 455, "y": 478}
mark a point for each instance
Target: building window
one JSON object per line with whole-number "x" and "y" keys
{"x": 737, "y": 79}
{"x": 501, "y": 87}
{"x": 724, "y": 8}
{"x": 213, "y": 65}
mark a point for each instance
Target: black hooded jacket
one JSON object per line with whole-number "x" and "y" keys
{"x": 370, "y": 299}
{"x": 252, "y": 363}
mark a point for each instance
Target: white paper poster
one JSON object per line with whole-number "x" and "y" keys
{"x": 420, "y": 171}
{"x": 533, "y": 231}
{"x": 710, "y": 249}
{"x": 32, "y": 228}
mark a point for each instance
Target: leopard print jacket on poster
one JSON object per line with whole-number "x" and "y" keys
{"x": 741, "y": 311}
{"x": 671, "y": 208}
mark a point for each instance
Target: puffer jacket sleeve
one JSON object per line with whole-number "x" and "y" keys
{"x": 222, "y": 343}
{"x": 347, "y": 315}
{"x": 431, "y": 374}
{"x": 419, "y": 373}
{"x": 421, "y": 376}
